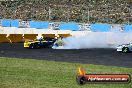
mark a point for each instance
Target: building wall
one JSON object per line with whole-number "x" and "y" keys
{"x": 65, "y": 26}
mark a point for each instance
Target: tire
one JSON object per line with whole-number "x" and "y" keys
{"x": 81, "y": 80}
{"x": 125, "y": 49}
{"x": 31, "y": 46}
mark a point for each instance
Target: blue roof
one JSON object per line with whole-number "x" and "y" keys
{"x": 6, "y": 23}
{"x": 10, "y": 23}
{"x": 63, "y": 26}
{"x": 128, "y": 28}
{"x": 69, "y": 26}
{"x": 39, "y": 25}
{"x": 15, "y": 23}
{"x": 100, "y": 27}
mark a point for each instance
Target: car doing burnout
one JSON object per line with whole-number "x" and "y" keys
{"x": 38, "y": 44}
{"x": 125, "y": 48}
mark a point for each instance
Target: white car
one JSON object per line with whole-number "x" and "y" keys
{"x": 124, "y": 48}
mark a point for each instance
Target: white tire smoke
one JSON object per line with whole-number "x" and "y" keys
{"x": 96, "y": 40}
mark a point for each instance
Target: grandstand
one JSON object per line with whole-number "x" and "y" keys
{"x": 82, "y": 11}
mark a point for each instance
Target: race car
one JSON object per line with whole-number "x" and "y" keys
{"x": 35, "y": 44}
{"x": 125, "y": 48}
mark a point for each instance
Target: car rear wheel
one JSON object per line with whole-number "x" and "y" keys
{"x": 125, "y": 49}
{"x": 31, "y": 47}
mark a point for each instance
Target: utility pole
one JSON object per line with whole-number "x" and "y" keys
{"x": 108, "y": 3}
{"x": 68, "y": 15}
{"x": 88, "y": 8}
{"x": 89, "y": 12}
{"x": 88, "y": 15}
{"x": 69, "y": 8}
{"x": 49, "y": 13}
{"x": 129, "y": 7}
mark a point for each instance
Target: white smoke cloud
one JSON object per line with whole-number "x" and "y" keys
{"x": 88, "y": 41}
{"x": 97, "y": 40}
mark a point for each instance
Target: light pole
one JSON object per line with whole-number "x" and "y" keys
{"x": 88, "y": 13}
{"x": 129, "y": 7}
{"x": 49, "y": 13}
{"x": 69, "y": 10}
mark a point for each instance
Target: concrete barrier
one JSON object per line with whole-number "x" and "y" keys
{"x": 49, "y": 35}
{"x": 30, "y": 36}
{"x": 64, "y": 35}
{"x": 13, "y": 38}
{"x": 3, "y": 38}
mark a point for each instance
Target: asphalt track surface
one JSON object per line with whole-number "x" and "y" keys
{"x": 107, "y": 57}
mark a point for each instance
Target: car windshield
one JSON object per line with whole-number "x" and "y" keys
{"x": 30, "y": 41}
